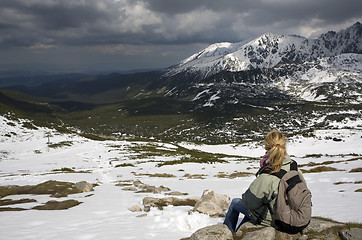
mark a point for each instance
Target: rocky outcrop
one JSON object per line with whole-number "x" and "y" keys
{"x": 267, "y": 233}
{"x": 317, "y": 229}
{"x": 351, "y": 234}
{"x": 215, "y": 205}
{"x": 318, "y": 225}
{"x": 140, "y": 187}
{"x": 212, "y": 204}
{"x": 163, "y": 202}
{"x": 219, "y": 232}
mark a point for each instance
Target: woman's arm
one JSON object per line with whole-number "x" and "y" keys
{"x": 259, "y": 193}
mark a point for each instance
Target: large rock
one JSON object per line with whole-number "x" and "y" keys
{"x": 135, "y": 208}
{"x": 318, "y": 229}
{"x": 214, "y": 232}
{"x": 351, "y": 234}
{"x": 318, "y": 225}
{"x": 267, "y": 233}
{"x": 84, "y": 186}
{"x": 249, "y": 225}
{"x": 212, "y": 204}
{"x": 286, "y": 236}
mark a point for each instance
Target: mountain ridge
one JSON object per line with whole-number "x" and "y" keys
{"x": 269, "y": 50}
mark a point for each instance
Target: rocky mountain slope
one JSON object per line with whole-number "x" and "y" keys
{"x": 327, "y": 69}
{"x": 268, "y": 51}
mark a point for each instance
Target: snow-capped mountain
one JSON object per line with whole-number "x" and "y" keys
{"x": 268, "y": 51}
{"x": 334, "y": 79}
{"x": 275, "y": 67}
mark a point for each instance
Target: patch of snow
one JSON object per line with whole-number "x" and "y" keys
{"x": 26, "y": 159}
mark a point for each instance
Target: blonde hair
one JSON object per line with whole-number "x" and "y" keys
{"x": 275, "y": 144}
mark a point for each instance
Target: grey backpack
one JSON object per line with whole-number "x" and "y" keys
{"x": 293, "y": 208}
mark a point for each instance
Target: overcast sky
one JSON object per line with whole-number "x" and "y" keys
{"x": 117, "y": 35}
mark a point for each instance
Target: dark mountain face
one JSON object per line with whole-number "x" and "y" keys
{"x": 345, "y": 41}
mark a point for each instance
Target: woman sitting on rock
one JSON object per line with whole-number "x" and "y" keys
{"x": 263, "y": 190}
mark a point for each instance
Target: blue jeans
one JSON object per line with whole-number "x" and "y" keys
{"x": 232, "y": 216}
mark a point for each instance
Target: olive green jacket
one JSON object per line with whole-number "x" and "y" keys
{"x": 262, "y": 191}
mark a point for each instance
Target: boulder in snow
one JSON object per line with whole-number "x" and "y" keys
{"x": 135, "y": 208}
{"x": 84, "y": 186}
{"x": 213, "y": 204}
{"x": 214, "y": 232}
{"x": 351, "y": 234}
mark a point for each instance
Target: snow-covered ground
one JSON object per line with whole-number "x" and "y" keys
{"x": 26, "y": 159}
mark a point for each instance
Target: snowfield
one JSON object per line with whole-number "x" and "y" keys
{"x": 27, "y": 159}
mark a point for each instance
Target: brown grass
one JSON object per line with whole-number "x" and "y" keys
{"x": 195, "y": 176}
{"x": 356, "y": 170}
{"x": 338, "y": 183}
{"x": 55, "y": 205}
{"x": 234, "y": 175}
{"x": 54, "y": 188}
{"x": 5, "y": 202}
{"x": 161, "y": 175}
{"x": 312, "y": 164}
{"x": 320, "y": 169}
{"x": 8, "y": 209}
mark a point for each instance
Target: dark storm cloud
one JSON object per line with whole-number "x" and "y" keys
{"x": 174, "y": 6}
{"x": 326, "y": 10}
{"x": 138, "y": 27}
{"x": 92, "y": 22}
{"x": 50, "y": 21}
{"x": 56, "y": 15}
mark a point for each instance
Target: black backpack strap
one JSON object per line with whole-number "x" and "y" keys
{"x": 294, "y": 166}
{"x": 279, "y": 174}
{"x": 292, "y": 182}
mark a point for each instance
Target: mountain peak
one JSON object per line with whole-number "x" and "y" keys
{"x": 269, "y": 50}
{"x": 215, "y": 49}
{"x": 357, "y": 25}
